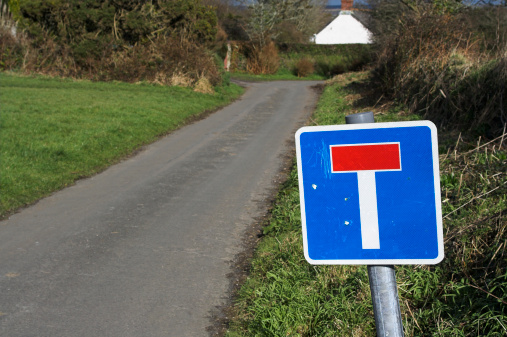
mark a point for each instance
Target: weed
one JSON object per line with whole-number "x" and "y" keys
{"x": 465, "y": 295}
{"x": 444, "y": 75}
{"x": 263, "y": 60}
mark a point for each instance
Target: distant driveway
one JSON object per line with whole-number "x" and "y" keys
{"x": 144, "y": 248}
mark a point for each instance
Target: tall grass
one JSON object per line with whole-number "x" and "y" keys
{"x": 263, "y": 60}
{"x": 465, "y": 295}
{"x": 443, "y": 67}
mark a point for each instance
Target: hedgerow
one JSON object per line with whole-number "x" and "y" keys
{"x": 126, "y": 40}
{"x": 448, "y": 66}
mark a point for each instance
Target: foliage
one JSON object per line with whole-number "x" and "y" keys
{"x": 231, "y": 18}
{"x": 387, "y": 16}
{"x": 463, "y": 296}
{"x": 280, "y": 75}
{"x": 14, "y": 9}
{"x": 11, "y": 52}
{"x": 55, "y": 131}
{"x": 4, "y": 9}
{"x": 158, "y": 61}
{"x": 124, "y": 40}
{"x": 327, "y": 60}
{"x": 263, "y": 18}
{"x": 490, "y": 26}
{"x": 448, "y": 65}
{"x": 304, "y": 67}
{"x": 467, "y": 293}
{"x": 292, "y": 20}
{"x": 264, "y": 60}
{"x": 121, "y": 21}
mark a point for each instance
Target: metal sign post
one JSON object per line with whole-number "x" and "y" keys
{"x": 384, "y": 291}
{"x": 370, "y": 195}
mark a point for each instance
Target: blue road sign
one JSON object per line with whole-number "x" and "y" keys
{"x": 370, "y": 193}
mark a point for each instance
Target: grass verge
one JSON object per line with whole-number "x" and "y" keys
{"x": 465, "y": 295}
{"x": 281, "y": 75}
{"x": 55, "y": 131}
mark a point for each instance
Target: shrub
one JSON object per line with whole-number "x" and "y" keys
{"x": 433, "y": 67}
{"x": 160, "y": 61}
{"x": 263, "y": 60}
{"x": 11, "y": 50}
{"x": 204, "y": 86}
{"x": 120, "y": 40}
{"x": 304, "y": 67}
{"x": 161, "y": 56}
{"x": 126, "y": 21}
{"x": 328, "y": 60}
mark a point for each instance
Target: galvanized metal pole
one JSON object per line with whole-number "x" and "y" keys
{"x": 384, "y": 295}
{"x": 384, "y": 292}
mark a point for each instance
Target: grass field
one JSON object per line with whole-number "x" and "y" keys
{"x": 54, "y": 131}
{"x": 465, "y": 295}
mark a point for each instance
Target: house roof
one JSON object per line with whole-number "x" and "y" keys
{"x": 346, "y": 28}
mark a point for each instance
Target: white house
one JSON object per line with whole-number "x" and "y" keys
{"x": 344, "y": 29}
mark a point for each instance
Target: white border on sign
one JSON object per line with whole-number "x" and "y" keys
{"x": 436, "y": 176}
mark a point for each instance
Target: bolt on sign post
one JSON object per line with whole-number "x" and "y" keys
{"x": 370, "y": 194}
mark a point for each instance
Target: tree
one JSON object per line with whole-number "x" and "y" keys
{"x": 266, "y": 17}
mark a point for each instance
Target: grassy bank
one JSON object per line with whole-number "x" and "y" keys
{"x": 55, "y": 131}
{"x": 463, "y": 296}
{"x": 281, "y": 75}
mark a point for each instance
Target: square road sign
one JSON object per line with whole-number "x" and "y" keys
{"x": 370, "y": 193}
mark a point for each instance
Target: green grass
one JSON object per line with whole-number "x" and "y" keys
{"x": 54, "y": 131}
{"x": 465, "y": 295}
{"x": 327, "y": 61}
{"x": 281, "y": 75}
{"x": 325, "y": 66}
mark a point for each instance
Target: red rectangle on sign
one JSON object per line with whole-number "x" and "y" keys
{"x": 367, "y": 157}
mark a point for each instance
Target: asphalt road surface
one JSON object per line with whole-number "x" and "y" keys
{"x": 144, "y": 248}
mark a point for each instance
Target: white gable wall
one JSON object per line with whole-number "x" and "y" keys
{"x": 345, "y": 29}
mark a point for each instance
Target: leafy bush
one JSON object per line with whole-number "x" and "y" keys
{"x": 124, "y": 21}
{"x": 11, "y": 50}
{"x": 158, "y": 61}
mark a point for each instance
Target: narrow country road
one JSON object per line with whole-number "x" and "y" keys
{"x": 144, "y": 248}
